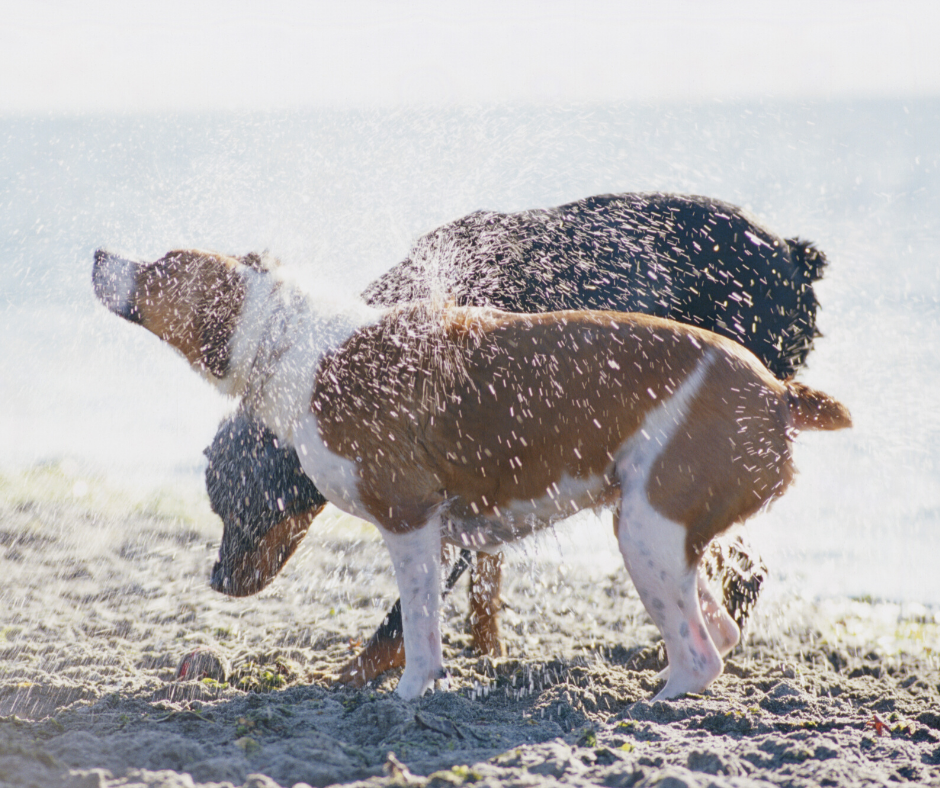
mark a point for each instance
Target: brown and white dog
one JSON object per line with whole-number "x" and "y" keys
{"x": 477, "y": 427}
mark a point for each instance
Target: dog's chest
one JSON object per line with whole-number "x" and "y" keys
{"x": 335, "y": 476}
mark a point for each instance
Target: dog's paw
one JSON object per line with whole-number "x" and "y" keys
{"x": 413, "y": 684}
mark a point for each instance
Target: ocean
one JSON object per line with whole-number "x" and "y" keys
{"x": 340, "y": 195}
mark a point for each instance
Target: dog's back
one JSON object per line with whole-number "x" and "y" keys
{"x": 691, "y": 259}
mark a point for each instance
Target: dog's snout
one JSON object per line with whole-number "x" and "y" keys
{"x": 220, "y": 580}
{"x": 115, "y": 282}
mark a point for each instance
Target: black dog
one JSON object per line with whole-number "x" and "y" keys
{"x": 690, "y": 259}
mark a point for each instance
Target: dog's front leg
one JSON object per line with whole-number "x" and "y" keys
{"x": 416, "y": 558}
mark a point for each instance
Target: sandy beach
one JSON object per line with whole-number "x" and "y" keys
{"x": 334, "y": 136}
{"x": 102, "y": 596}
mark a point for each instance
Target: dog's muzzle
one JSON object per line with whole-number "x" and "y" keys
{"x": 115, "y": 282}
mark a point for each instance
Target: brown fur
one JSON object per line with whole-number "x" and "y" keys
{"x": 483, "y": 408}
{"x": 250, "y": 573}
{"x": 379, "y": 655}
{"x": 487, "y": 407}
{"x": 815, "y": 410}
{"x": 484, "y": 604}
{"x": 191, "y": 301}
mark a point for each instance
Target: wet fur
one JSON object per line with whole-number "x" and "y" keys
{"x": 407, "y": 417}
{"x": 692, "y": 259}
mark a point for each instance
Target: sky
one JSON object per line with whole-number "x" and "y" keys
{"x": 107, "y": 55}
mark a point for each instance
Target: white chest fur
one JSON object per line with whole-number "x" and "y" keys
{"x": 336, "y": 477}
{"x": 281, "y": 339}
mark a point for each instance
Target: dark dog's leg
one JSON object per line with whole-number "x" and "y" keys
{"x": 384, "y": 651}
{"x": 485, "y": 604}
{"x": 740, "y": 571}
{"x": 386, "y": 648}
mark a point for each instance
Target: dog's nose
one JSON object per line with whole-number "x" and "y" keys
{"x": 115, "y": 281}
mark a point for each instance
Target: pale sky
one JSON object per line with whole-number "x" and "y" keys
{"x": 108, "y": 55}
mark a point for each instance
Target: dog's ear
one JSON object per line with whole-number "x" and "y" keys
{"x": 260, "y": 262}
{"x": 223, "y": 304}
{"x": 216, "y": 333}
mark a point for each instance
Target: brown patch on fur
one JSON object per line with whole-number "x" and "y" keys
{"x": 379, "y": 655}
{"x": 483, "y": 408}
{"x": 252, "y": 571}
{"x": 731, "y": 455}
{"x": 485, "y": 581}
{"x": 192, "y": 299}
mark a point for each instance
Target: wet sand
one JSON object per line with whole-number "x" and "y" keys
{"x": 102, "y": 597}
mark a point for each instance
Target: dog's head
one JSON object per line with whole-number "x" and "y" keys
{"x": 265, "y": 500}
{"x": 189, "y": 298}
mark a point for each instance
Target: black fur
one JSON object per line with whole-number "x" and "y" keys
{"x": 253, "y": 484}
{"x": 691, "y": 259}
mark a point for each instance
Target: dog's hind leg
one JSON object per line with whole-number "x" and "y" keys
{"x": 485, "y": 581}
{"x": 416, "y": 558}
{"x": 653, "y": 549}
{"x": 742, "y": 572}
{"x": 722, "y": 628}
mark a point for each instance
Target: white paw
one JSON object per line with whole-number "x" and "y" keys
{"x": 680, "y": 683}
{"x": 669, "y": 693}
{"x": 414, "y": 684}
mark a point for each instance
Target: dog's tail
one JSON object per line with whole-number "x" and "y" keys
{"x": 814, "y": 410}
{"x": 807, "y": 258}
